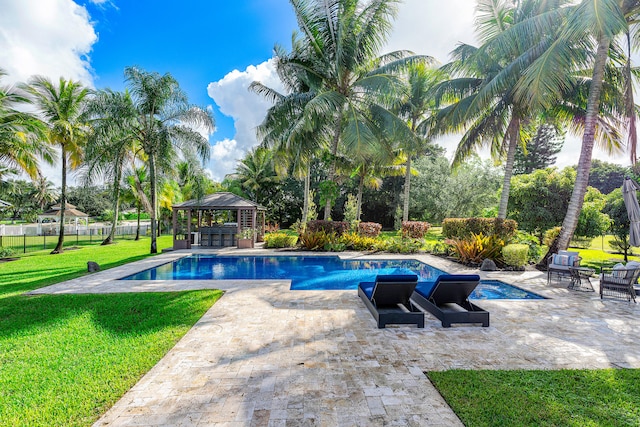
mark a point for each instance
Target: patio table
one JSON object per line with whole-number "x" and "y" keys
{"x": 580, "y": 279}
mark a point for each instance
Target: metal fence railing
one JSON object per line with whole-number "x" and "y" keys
{"x": 29, "y": 243}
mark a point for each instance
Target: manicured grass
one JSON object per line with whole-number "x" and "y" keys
{"x": 65, "y": 359}
{"x": 542, "y": 398}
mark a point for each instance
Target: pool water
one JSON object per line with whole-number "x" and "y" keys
{"x": 311, "y": 272}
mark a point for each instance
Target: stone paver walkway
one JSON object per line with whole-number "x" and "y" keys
{"x": 267, "y": 356}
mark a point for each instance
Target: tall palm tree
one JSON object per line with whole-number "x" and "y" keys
{"x": 595, "y": 27}
{"x": 22, "y": 135}
{"x": 341, "y": 39}
{"x": 112, "y": 145}
{"x": 418, "y": 108}
{"x": 256, "y": 172}
{"x": 486, "y": 78}
{"x": 165, "y": 124}
{"x": 61, "y": 107}
{"x": 44, "y": 192}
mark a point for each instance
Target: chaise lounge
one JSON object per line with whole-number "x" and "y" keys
{"x": 388, "y": 300}
{"x": 448, "y": 300}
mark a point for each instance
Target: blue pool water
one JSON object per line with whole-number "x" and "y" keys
{"x": 311, "y": 272}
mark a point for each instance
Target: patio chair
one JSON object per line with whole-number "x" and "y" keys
{"x": 388, "y": 300}
{"x": 559, "y": 264}
{"x": 448, "y": 299}
{"x": 620, "y": 282}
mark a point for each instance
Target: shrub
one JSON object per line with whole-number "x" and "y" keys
{"x": 279, "y": 240}
{"x": 132, "y": 216}
{"x": 369, "y": 229}
{"x": 415, "y": 229}
{"x": 402, "y": 246}
{"x": 314, "y": 240}
{"x": 535, "y": 249}
{"x": 329, "y": 227}
{"x": 515, "y": 255}
{"x": 6, "y": 252}
{"x": 550, "y": 235}
{"x": 438, "y": 248}
{"x": 334, "y": 247}
{"x": 462, "y": 228}
{"x": 360, "y": 243}
{"x": 478, "y": 247}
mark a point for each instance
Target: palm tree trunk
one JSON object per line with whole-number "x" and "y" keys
{"x": 332, "y": 168}
{"x": 63, "y": 203}
{"x": 154, "y": 205}
{"x": 407, "y": 187}
{"x": 307, "y": 189}
{"x": 513, "y": 135}
{"x": 138, "y": 208}
{"x": 359, "y": 198}
{"x": 584, "y": 163}
{"x": 116, "y": 209}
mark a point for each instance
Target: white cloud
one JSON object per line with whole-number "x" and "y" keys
{"x": 432, "y": 27}
{"x": 247, "y": 109}
{"x": 51, "y": 38}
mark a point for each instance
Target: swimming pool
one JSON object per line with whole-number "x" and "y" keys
{"x": 310, "y": 272}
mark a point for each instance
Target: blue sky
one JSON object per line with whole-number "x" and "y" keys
{"x": 196, "y": 41}
{"x": 214, "y": 48}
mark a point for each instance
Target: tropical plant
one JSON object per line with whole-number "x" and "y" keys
{"x": 256, "y": 173}
{"x": 417, "y": 107}
{"x": 44, "y": 192}
{"x": 337, "y": 47}
{"x": 590, "y": 36}
{"x": 62, "y": 106}
{"x": 164, "y": 123}
{"x": 476, "y": 248}
{"x": 22, "y": 135}
{"x": 111, "y": 145}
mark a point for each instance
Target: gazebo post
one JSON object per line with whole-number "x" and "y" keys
{"x": 189, "y": 228}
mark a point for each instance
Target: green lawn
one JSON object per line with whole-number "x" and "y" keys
{"x": 542, "y": 398}
{"x": 66, "y": 359}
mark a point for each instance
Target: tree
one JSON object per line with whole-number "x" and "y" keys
{"x": 256, "y": 174}
{"x": 44, "y": 192}
{"x": 485, "y": 80}
{"x": 441, "y": 193}
{"x": 617, "y": 211}
{"x": 605, "y": 176}
{"x": 418, "y": 107}
{"x": 591, "y": 26}
{"x": 340, "y": 40}
{"x": 592, "y": 221}
{"x": 61, "y": 107}
{"x": 538, "y": 200}
{"x": 164, "y": 123}
{"x": 21, "y": 133}
{"x": 541, "y": 150}
{"x": 112, "y": 144}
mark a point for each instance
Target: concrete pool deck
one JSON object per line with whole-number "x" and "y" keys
{"x": 267, "y": 356}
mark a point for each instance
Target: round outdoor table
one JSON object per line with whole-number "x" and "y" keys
{"x": 580, "y": 279}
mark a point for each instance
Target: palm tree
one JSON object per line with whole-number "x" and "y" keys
{"x": 164, "y": 123}
{"x": 340, "y": 40}
{"x": 61, "y": 107}
{"x": 134, "y": 193}
{"x": 486, "y": 77}
{"x": 112, "y": 144}
{"x": 256, "y": 172}
{"x": 21, "y": 133}
{"x": 593, "y": 27}
{"x": 417, "y": 108}
{"x": 44, "y": 192}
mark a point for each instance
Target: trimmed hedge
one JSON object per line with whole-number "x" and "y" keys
{"x": 415, "y": 229}
{"x": 329, "y": 227}
{"x": 463, "y": 228}
{"x": 515, "y": 255}
{"x": 369, "y": 229}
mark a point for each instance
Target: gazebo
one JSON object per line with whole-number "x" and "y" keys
{"x": 216, "y": 221}
{"x": 71, "y": 215}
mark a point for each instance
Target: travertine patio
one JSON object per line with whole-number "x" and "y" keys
{"x": 265, "y": 355}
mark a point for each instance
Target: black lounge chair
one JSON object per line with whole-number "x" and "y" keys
{"x": 388, "y": 300}
{"x": 448, "y": 300}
